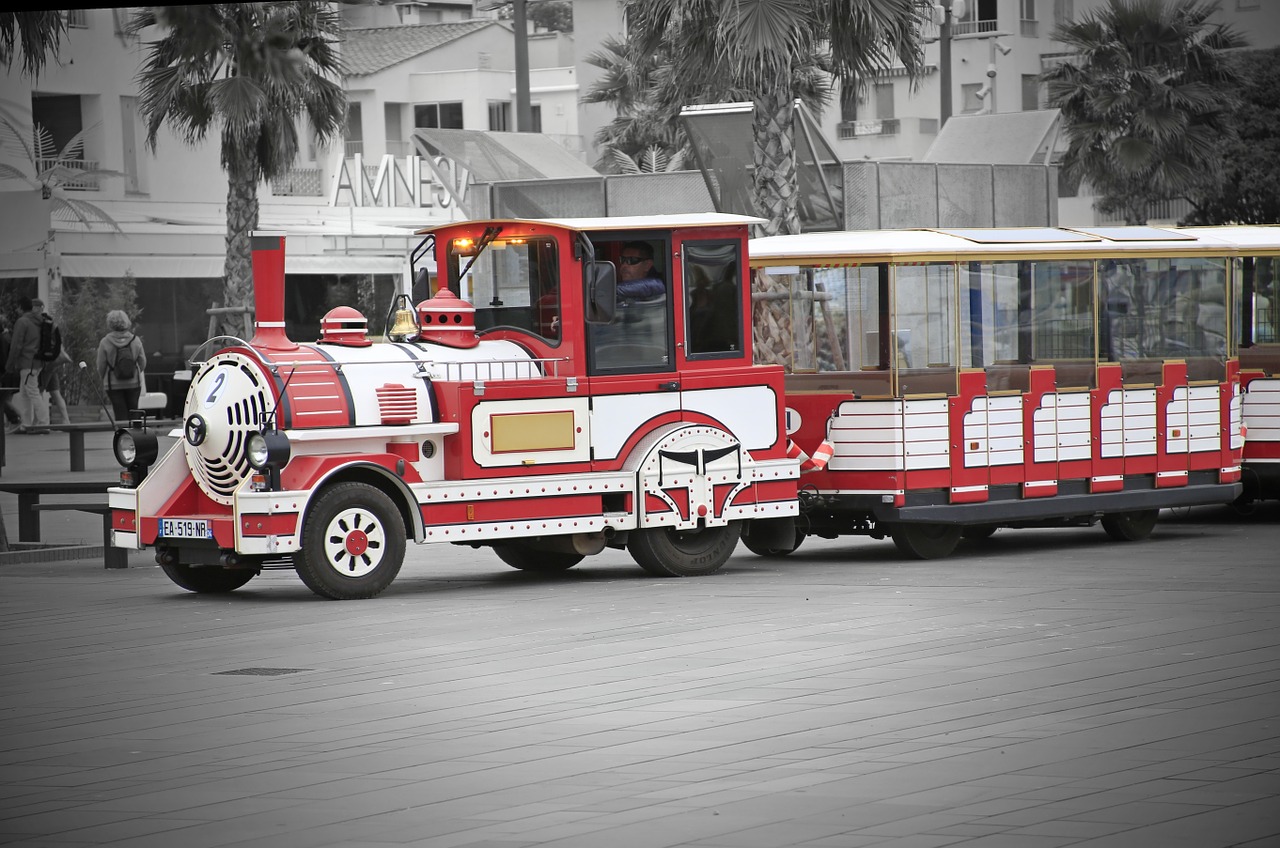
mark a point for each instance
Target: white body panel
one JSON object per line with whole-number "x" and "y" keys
{"x": 1261, "y": 410}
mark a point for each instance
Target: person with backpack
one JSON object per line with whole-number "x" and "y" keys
{"x": 121, "y": 363}
{"x": 24, "y": 361}
{"x": 51, "y": 385}
{"x": 8, "y": 382}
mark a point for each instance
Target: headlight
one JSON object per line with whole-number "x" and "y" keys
{"x": 135, "y": 447}
{"x": 125, "y": 447}
{"x": 270, "y": 449}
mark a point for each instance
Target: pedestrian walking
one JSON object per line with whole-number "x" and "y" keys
{"x": 8, "y": 382}
{"x": 121, "y": 362}
{"x": 51, "y": 385}
{"x": 23, "y": 362}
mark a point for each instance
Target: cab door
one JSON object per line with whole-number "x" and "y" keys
{"x": 631, "y": 361}
{"x": 720, "y": 386}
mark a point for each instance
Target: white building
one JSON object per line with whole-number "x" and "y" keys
{"x": 998, "y": 50}
{"x": 439, "y": 68}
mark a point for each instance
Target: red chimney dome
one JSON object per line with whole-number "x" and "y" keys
{"x": 343, "y": 325}
{"x": 447, "y": 319}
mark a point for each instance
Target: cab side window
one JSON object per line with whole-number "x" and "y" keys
{"x": 638, "y": 338}
{"x": 713, "y": 299}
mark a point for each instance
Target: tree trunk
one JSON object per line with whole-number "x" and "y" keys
{"x": 242, "y": 220}
{"x": 774, "y": 157}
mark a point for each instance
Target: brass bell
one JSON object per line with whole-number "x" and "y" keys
{"x": 405, "y": 327}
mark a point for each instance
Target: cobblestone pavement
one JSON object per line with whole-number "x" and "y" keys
{"x": 1043, "y": 688}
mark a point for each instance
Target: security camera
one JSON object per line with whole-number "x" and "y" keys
{"x": 1004, "y": 49}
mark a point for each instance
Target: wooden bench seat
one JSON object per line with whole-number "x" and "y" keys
{"x": 111, "y": 557}
{"x": 77, "y": 429}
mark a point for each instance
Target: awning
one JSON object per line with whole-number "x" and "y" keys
{"x": 210, "y": 267}
{"x": 492, "y": 157}
{"x": 1005, "y": 138}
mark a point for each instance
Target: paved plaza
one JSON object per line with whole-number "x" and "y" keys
{"x": 1044, "y": 688}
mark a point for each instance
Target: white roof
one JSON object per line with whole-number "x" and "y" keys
{"x": 633, "y": 222}
{"x": 969, "y": 243}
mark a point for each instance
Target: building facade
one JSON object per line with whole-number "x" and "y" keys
{"x": 412, "y": 65}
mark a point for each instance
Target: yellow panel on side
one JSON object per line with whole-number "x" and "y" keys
{"x": 532, "y": 431}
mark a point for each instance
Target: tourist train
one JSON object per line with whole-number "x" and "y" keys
{"x": 923, "y": 385}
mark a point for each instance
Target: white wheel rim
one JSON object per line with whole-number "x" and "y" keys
{"x": 354, "y": 542}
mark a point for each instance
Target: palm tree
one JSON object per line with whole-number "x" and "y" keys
{"x": 761, "y": 49}
{"x": 47, "y": 171}
{"x": 1250, "y": 189}
{"x": 1144, "y": 100}
{"x": 249, "y": 69}
{"x": 37, "y": 34}
{"x": 641, "y": 124}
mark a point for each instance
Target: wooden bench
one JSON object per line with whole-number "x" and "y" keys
{"x": 76, "y": 431}
{"x": 29, "y": 494}
{"x": 112, "y": 557}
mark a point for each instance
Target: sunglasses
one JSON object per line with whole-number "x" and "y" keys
{"x": 631, "y": 260}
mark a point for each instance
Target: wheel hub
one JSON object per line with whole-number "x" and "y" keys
{"x": 357, "y": 542}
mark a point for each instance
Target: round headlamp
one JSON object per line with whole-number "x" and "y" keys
{"x": 135, "y": 447}
{"x": 267, "y": 450}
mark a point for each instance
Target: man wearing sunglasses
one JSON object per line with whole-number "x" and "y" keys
{"x": 637, "y": 279}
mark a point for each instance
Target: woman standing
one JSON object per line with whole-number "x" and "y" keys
{"x": 121, "y": 363}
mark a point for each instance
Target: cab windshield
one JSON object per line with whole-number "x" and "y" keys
{"x": 513, "y": 282}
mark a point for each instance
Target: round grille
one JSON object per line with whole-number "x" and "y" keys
{"x": 231, "y": 396}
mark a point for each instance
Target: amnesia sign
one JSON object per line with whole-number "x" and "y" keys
{"x": 415, "y": 181}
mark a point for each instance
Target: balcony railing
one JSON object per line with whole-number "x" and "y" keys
{"x": 77, "y": 18}
{"x": 1170, "y": 209}
{"x": 1029, "y": 29}
{"x": 861, "y": 129}
{"x": 71, "y": 183}
{"x": 299, "y": 182}
{"x": 972, "y": 27}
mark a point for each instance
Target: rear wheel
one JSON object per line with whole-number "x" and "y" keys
{"x": 525, "y": 558}
{"x": 668, "y": 552}
{"x": 353, "y": 543}
{"x": 772, "y": 553}
{"x": 926, "y": 541}
{"x": 1130, "y": 526}
{"x": 209, "y": 579}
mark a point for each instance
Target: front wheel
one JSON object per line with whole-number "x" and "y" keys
{"x": 208, "y": 579}
{"x": 668, "y": 552}
{"x": 525, "y": 558}
{"x": 353, "y": 543}
{"x": 926, "y": 541}
{"x": 1130, "y": 526}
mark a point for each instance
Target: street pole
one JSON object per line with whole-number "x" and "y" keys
{"x": 992, "y": 46}
{"x": 524, "y": 110}
{"x": 991, "y": 76}
{"x": 944, "y": 60}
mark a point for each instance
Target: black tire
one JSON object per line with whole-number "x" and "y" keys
{"x": 353, "y": 541}
{"x": 1130, "y": 526}
{"x": 526, "y": 558}
{"x": 667, "y": 552}
{"x": 978, "y": 532}
{"x": 209, "y": 579}
{"x": 926, "y": 541}
{"x": 772, "y": 553}
{"x": 1245, "y": 506}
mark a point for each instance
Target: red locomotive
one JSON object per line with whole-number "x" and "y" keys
{"x": 530, "y": 406}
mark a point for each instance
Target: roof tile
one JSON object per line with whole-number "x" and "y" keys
{"x": 367, "y": 50}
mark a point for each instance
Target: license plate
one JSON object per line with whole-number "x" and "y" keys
{"x": 186, "y": 528}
